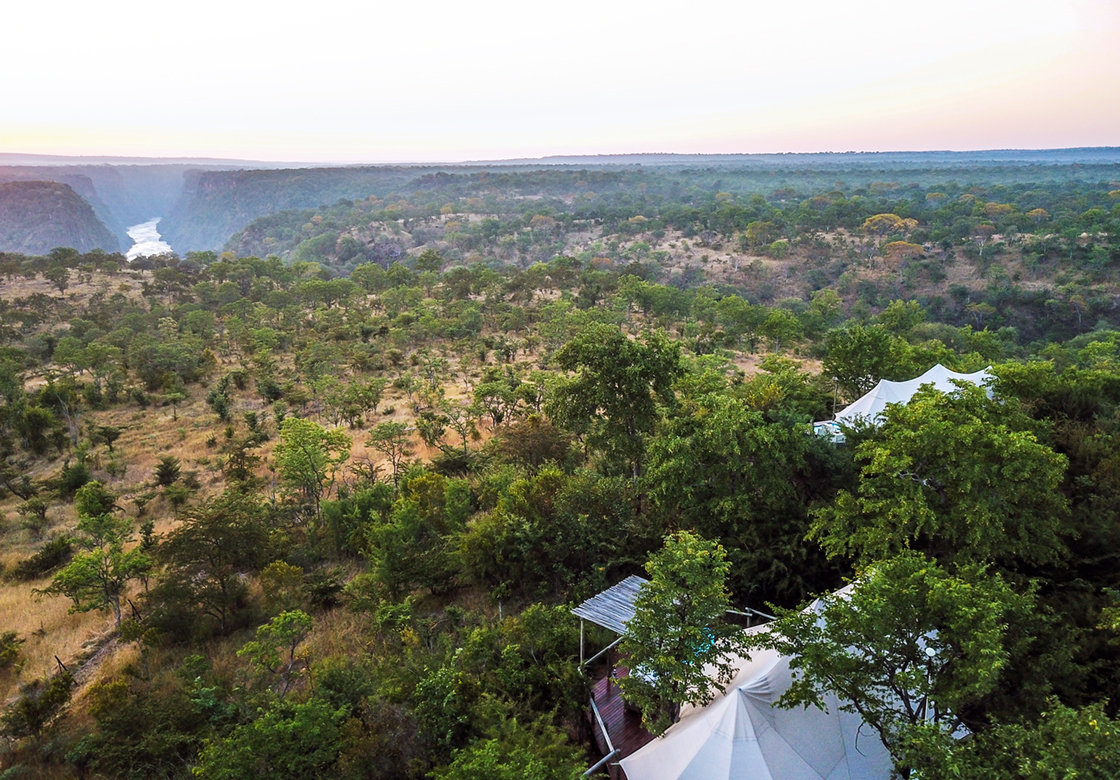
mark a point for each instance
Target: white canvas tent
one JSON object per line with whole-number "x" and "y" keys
{"x": 741, "y": 736}
{"x": 871, "y": 406}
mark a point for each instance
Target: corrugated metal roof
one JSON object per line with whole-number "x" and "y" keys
{"x": 614, "y": 606}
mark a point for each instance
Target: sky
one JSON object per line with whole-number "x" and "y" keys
{"x": 440, "y": 80}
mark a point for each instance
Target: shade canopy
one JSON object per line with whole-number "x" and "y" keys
{"x": 741, "y": 736}
{"x": 871, "y": 406}
{"x": 614, "y": 607}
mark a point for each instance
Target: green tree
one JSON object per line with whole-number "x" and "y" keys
{"x": 59, "y": 276}
{"x": 781, "y": 327}
{"x": 9, "y": 648}
{"x": 615, "y": 393}
{"x": 1065, "y": 743}
{"x": 93, "y": 499}
{"x": 394, "y": 441}
{"x": 516, "y": 752}
{"x": 284, "y": 742}
{"x": 678, "y": 637}
{"x": 552, "y": 532}
{"x": 107, "y": 434}
{"x": 308, "y": 458}
{"x": 858, "y": 356}
{"x": 97, "y": 576}
{"x": 955, "y": 474}
{"x": 167, "y": 471}
{"x": 276, "y": 648}
{"x": 205, "y": 557}
{"x": 146, "y": 728}
{"x": 908, "y": 647}
{"x": 728, "y": 473}
{"x": 414, "y": 544}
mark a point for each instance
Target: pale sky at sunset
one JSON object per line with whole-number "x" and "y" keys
{"x": 347, "y": 81}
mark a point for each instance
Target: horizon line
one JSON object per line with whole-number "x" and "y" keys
{"x": 13, "y": 158}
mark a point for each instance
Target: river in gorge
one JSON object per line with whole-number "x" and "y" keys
{"x": 146, "y": 240}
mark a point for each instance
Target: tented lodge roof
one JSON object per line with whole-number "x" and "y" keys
{"x": 741, "y": 735}
{"x": 871, "y": 406}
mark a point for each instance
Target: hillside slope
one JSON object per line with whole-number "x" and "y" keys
{"x": 37, "y": 216}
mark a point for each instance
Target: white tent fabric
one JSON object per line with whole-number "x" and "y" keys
{"x": 741, "y": 736}
{"x": 871, "y": 406}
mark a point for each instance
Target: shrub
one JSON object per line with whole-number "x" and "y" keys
{"x": 72, "y": 478}
{"x": 34, "y": 514}
{"x": 9, "y": 648}
{"x": 51, "y": 555}
{"x": 167, "y": 471}
{"x": 40, "y": 701}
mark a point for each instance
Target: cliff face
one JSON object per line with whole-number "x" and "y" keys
{"x": 216, "y": 204}
{"x": 37, "y": 216}
{"x": 121, "y": 195}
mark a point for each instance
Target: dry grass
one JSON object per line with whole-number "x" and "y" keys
{"x": 339, "y": 633}
{"x": 47, "y": 628}
{"x": 79, "y": 291}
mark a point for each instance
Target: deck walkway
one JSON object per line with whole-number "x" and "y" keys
{"x": 624, "y": 725}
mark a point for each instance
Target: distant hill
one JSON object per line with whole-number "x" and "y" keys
{"x": 16, "y": 158}
{"x": 37, "y": 216}
{"x": 928, "y": 160}
{"x": 204, "y": 202}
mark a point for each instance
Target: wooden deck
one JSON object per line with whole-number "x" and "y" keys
{"x": 623, "y": 725}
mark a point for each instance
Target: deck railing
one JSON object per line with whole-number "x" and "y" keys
{"x": 612, "y": 751}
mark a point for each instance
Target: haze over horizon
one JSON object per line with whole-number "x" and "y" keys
{"x": 381, "y": 83}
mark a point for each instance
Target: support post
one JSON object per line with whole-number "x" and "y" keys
{"x": 581, "y": 643}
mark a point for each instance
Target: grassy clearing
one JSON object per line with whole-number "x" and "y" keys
{"x": 48, "y": 629}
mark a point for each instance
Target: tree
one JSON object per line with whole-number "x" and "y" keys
{"x": 858, "y": 356}
{"x": 429, "y": 261}
{"x": 533, "y": 442}
{"x": 275, "y": 650}
{"x": 285, "y": 742}
{"x": 167, "y": 471}
{"x": 34, "y": 514}
{"x": 677, "y": 636}
{"x": 516, "y": 752}
{"x": 1065, "y": 743}
{"x": 93, "y": 500}
{"x": 780, "y": 326}
{"x": 760, "y": 233}
{"x": 615, "y": 393}
{"x": 908, "y": 647}
{"x": 956, "y": 474}
{"x": 432, "y": 425}
{"x": 107, "y": 434}
{"x": 879, "y": 226}
{"x": 414, "y": 545}
{"x": 727, "y": 473}
{"x": 308, "y": 458}
{"x": 59, "y": 276}
{"x": 983, "y": 233}
{"x": 206, "y": 555}
{"x": 394, "y": 441}
{"x": 9, "y": 648}
{"x": 900, "y": 253}
{"x": 97, "y": 576}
